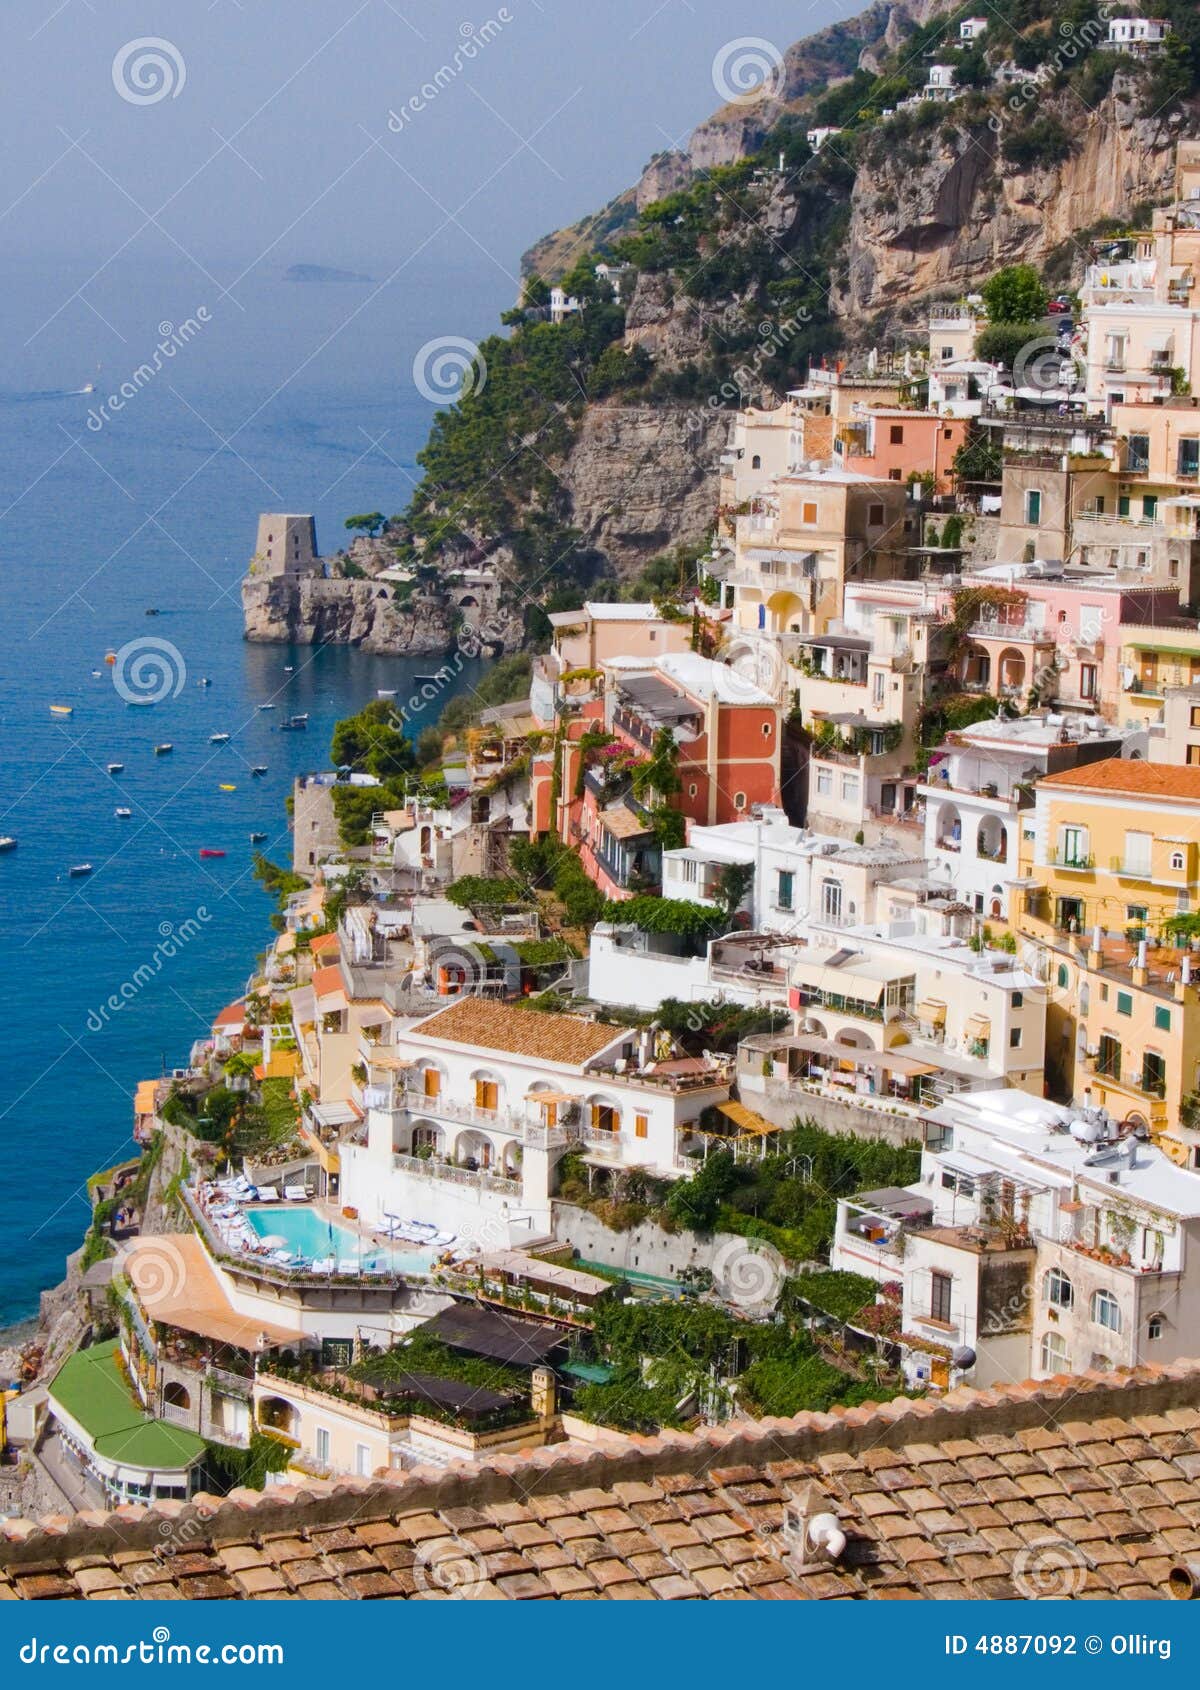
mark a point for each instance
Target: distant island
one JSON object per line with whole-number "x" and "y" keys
{"x": 322, "y": 273}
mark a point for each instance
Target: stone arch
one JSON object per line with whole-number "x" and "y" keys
{"x": 176, "y": 1395}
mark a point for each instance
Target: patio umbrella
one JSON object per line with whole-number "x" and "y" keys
{"x": 274, "y": 1241}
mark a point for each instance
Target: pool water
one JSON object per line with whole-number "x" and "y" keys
{"x": 310, "y": 1235}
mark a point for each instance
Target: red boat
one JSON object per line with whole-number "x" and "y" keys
{"x": 206, "y": 852}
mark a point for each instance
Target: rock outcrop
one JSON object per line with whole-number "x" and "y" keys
{"x": 641, "y": 478}
{"x": 944, "y": 210}
{"x": 316, "y": 610}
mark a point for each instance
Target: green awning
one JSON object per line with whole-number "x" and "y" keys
{"x": 91, "y": 1388}
{"x": 1192, "y": 652}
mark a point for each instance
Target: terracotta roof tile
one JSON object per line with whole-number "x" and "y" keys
{"x": 569, "y": 1039}
{"x": 676, "y": 1519}
{"x": 1138, "y": 779}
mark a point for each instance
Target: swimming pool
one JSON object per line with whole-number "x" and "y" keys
{"x": 308, "y": 1234}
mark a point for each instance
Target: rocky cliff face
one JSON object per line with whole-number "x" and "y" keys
{"x": 945, "y": 219}
{"x": 641, "y": 478}
{"x": 311, "y": 610}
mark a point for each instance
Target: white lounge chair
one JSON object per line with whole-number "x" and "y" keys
{"x": 268, "y": 1194}
{"x": 443, "y": 1238}
{"x": 296, "y": 1193}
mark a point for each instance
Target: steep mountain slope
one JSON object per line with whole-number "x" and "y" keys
{"x": 582, "y": 449}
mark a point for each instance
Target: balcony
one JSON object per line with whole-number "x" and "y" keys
{"x": 1074, "y": 862}
{"x": 476, "y": 1179}
{"x": 466, "y": 1114}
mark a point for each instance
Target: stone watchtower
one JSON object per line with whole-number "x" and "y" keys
{"x": 287, "y": 545}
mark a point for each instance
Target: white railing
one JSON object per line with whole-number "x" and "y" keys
{"x": 480, "y": 1179}
{"x": 467, "y": 1114}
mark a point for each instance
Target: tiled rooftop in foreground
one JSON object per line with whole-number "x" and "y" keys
{"x": 949, "y": 1498}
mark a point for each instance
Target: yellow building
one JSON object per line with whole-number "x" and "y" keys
{"x": 1116, "y": 857}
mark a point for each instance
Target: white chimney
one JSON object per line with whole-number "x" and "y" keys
{"x": 1141, "y": 953}
{"x": 1096, "y": 937}
{"x": 1186, "y": 972}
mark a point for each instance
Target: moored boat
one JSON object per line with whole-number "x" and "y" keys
{"x": 122, "y": 811}
{"x": 8, "y": 843}
{"x": 161, "y": 750}
{"x": 259, "y": 769}
{"x": 218, "y": 739}
{"x": 115, "y": 768}
{"x": 257, "y": 838}
{"x": 78, "y": 869}
{"x": 207, "y": 851}
{"x": 62, "y": 709}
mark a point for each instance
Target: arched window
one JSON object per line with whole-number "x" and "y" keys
{"x": 1057, "y": 1289}
{"x": 1176, "y": 859}
{"x": 1154, "y": 1326}
{"x": 739, "y": 800}
{"x": 756, "y": 462}
{"x": 1062, "y": 975}
{"x": 1055, "y": 1356}
{"x": 1106, "y": 1311}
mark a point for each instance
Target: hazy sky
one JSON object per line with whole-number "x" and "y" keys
{"x": 274, "y": 145}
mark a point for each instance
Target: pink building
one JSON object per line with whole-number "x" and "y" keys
{"x": 1060, "y": 634}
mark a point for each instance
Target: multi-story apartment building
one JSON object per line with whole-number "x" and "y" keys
{"x": 1149, "y": 522}
{"x": 1141, "y": 301}
{"x": 469, "y": 1110}
{"x": 978, "y": 796}
{"x": 812, "y": 531}
{"x": 1116, "y": 861}
{"x": 727, "y": 737}
{"x": 896, "y": 444}
{"x": 1043, "y": 1239}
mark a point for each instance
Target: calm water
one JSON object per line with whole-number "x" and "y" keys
{"x": 273, "y": 406}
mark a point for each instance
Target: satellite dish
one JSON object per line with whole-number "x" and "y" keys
{"x": 963, "y": 1358}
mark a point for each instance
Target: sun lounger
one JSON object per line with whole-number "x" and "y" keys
{"x": 349, "y": 1267}
{"x": 443, "y": 1238}
{"x": 283, "y": 1257}
{"x": 325, "y": 1265}
{"x": 296, "y": 1193}
{"x": 268, "y": 1194}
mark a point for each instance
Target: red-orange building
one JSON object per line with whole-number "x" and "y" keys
{"x": 893, "y": 443}
{"x": 727, "y": 733}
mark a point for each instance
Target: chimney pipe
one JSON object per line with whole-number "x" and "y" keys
{"x": 1183, "y": 1581}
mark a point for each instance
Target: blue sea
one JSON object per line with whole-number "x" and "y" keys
{"x": 286, "y": 397}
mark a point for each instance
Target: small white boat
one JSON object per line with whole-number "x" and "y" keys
{"x": 115, "y": 768}
{"x": 288, "y": 667}
{"x": 218, "y": 739}
{"x": 161, "y": 750}
{"x": 78, "y": 869}
{"x": 259, "y": 769}
{"x": 7, "y": 842}
{"x": 385, "y": 692}
{"x": 204, "y": 681}
{"x": 122, "y": 812}
{"x": 266, "y": 707}
{"x": 62, "y": 709}
{"x": 96, "y": 674}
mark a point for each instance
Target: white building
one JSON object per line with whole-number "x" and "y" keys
{"x": 562, "y": 305}
{"x": 978, "y": 795}
{"x": 971, "y": 29}
{"x": 940, "y": 84}
{"x": 469, "y": 1110}
{"x": 1057, "y": 1242}
{"x": 1137, "y": 35}
{"x": 817, "y": 137}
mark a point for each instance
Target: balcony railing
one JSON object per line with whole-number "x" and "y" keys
{"x": 1076, "y": 861}
{"x": 478, "y": 1179}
